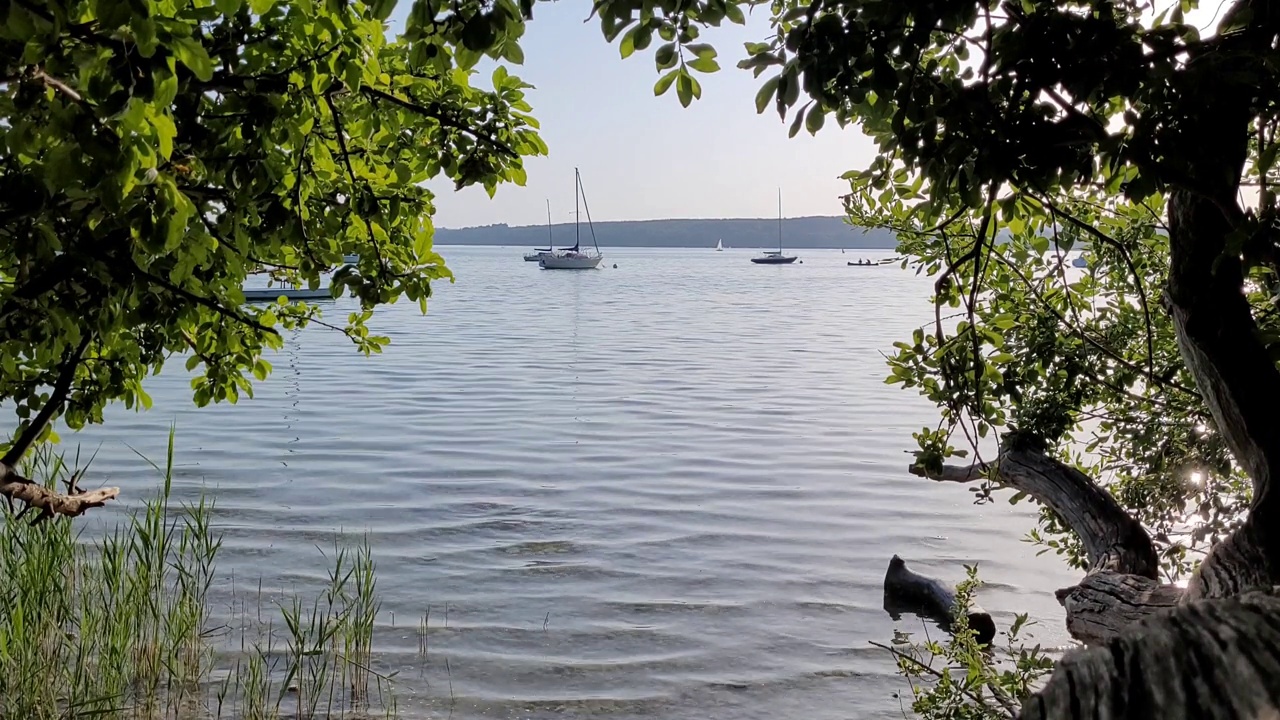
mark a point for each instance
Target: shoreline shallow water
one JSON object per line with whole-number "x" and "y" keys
{"x": 669, "y": 489}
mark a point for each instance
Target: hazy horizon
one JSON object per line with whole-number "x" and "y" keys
{"x": 497, "y": 223}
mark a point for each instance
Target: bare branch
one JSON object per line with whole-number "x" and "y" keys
{"x": 1113, "y": 539}
{"x": 51, "y": 502}
{"x": 1133, "y": 270}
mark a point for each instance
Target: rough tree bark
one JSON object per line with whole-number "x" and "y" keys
{"x": 1122, "y": 585}
{"x": 1213, "y": 649}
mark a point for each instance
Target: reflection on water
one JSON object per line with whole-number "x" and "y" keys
{"x": 665, "y": 490}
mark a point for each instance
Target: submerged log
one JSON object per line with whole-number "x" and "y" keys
{"x": 907, "y": 591}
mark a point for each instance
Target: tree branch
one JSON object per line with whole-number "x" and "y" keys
{"x": 205, "y": 302}
{"x": 1133, "y": 270}
{"x": 13, "y": 486}
{"x": 51, "y": 502}
{"x": 1104, "y": 603}
{"x": 61, "y": 387}
{"x": 434, "y": 113}
{"x": 1113, "y": 540}
{"x": 346, "y": 160}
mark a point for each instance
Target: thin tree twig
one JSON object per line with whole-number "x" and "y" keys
{"x": 498, "y": 145}
{"x": 346, "y": 160}
{"x": 899, "y": 655}
{"x": 1133, "y": 269}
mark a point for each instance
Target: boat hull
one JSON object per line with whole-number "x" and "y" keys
{"x": 272, "y": 294}
{"x": 579, "y": 262}
{"x": 774, "y": 260}
{"x": 534, "y": 257}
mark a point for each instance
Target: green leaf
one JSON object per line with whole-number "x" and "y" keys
{"x": 814, "y": 121}
{"x": 702, "y": 50}
{"x": 665, "y": 57}
{"x": 766, "y": 92}
{"x": 703, "y": 64}
{"x": 260, "y": 7}
{"x": 165, "y": 132}
{"x": 684, "y": 88}
{"x": 191, "y": 53}
{"x": 628, "y": 45}
{"x": 382, "y": 9}
{"x": 664, "y": 82}
{"x": 795, "y": 125}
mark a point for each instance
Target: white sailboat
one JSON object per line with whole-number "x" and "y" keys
{"x": 720, "y": 245}
{"x": 539, "y": 253}
{"x": 576, "y": 258}
{"x": 775, "y": 257}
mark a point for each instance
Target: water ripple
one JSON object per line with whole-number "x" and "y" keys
{"x": 665, "y": 490}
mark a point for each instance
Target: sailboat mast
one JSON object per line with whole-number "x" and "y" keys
{"x": 577, "y": 239}
{"x": 550, "y": 244}
{"x": 779, "y": 220}
{"x": 586, "y": 207}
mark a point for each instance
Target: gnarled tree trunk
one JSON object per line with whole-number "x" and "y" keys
{"x": 1213, "y": 649}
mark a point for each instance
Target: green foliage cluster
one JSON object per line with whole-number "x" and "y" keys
{"x": 158, "y": 153}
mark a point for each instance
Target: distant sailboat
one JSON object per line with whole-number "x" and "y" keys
{"x": 538, "y": 253}
{"x": 575, "y": 258}
{"x": 720, "y": 245}
{"x": 775, "y": 257}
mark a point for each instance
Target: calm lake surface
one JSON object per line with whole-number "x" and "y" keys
{"x": 665, "y": 490}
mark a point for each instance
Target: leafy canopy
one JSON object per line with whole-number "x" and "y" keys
{"x": 156, "y": 153}
{"x": 1011, "y": 132}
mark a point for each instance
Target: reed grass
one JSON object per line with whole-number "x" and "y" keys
{"x": 118, "y": 626}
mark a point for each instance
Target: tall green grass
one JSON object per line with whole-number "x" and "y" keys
{"x": 118, "y": 625}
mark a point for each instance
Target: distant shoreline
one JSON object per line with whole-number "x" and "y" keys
{"x": 741, "y": 233}
{"x": 525, "y": 248}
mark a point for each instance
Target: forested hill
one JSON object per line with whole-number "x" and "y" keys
{"x": 800, "y": 232}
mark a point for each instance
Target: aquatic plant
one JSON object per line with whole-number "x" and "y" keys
{"x": 117, "y": 625}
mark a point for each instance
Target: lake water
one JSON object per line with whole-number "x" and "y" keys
{"x": 665, "y": 490}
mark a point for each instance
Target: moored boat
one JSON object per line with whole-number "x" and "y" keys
{"x": 575, "y": 258}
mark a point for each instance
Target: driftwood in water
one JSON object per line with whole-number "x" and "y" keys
{"x": 907, "y": 591}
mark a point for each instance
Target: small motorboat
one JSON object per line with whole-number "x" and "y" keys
{"x": 288, "y": 293}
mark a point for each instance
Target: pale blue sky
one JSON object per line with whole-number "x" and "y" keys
{"x": 645, "y": 157}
